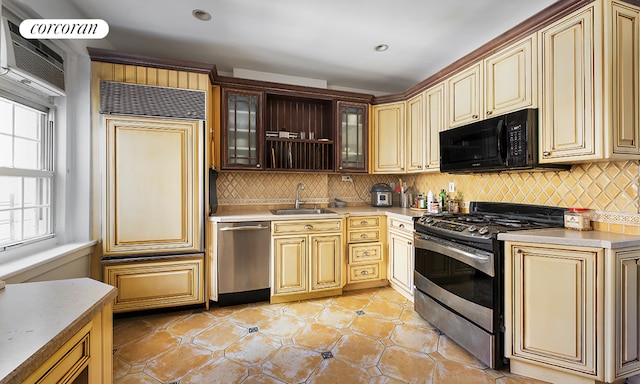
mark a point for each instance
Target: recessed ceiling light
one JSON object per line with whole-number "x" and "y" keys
{"x": 381, "y": 47}
{"x": 201, "y": 15}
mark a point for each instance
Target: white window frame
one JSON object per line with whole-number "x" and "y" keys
{"x": 48, "y": 151}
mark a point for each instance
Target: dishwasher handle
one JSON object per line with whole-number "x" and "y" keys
{"x": 245, "y": 228}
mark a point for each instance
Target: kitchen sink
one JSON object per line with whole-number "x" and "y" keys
{"x": 300, "y": 211}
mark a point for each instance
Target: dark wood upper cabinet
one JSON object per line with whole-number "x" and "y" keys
{"x": 352, "y": 128}
{"x": 242, "y": 133}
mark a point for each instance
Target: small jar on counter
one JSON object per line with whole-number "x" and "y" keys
{"x": 577, "y": 218}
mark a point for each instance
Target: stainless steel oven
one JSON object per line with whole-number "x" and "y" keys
{"x": 459, "y": 277}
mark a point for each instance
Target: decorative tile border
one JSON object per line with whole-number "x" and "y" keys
{"x": 616, "y": 217}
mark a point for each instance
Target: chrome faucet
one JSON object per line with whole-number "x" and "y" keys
{"x": 298, "y": 202}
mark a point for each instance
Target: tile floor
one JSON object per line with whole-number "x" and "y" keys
{"x": 370, "y": 336}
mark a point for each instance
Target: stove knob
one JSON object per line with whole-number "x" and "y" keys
{"x": 428, "y": 220}
{"x": 483, "y": 230}
{"x": 473, "y": 228}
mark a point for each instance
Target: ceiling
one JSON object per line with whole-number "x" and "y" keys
{"x": 331, "y": 40}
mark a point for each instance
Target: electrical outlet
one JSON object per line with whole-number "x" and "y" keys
{"x": 347, "y": 178}
{"x": 452, "y": 187}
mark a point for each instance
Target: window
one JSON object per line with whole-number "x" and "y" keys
{"x": 26, "y": 173}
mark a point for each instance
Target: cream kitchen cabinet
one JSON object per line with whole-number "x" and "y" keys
{"x": 588, "y": 76}
{"x": 366, "y": 264}
{"x": 158, "y": 283}
{"x": 465, "y": 100}
{"x": 307, "y": 259}
{"x": 503, "y": 82}
{"x": 401, "y": 256}
{"x": 387, "y": 151}
{"x": 415, "y": 135}
{"x": 571, "y": 313}
{"x": 435, "y": 122}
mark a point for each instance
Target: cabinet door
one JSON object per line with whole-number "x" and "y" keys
{"x": 415, "y": 134}
{"x": 567, "y": 106}
{"x": 555, "y": 296}
{"x": 388, "y": 138}
{"x": 465, "y": 97}
{"x": 627, "y": 312}
{"x": 151, "y": 203}
{"x": 401, "y": 262}
{"x": 156, "y": 284}
{"x": 434, "y": 124}
{"x": 290, "y": 264}
{"x": 510, "y": 78}
{"x": 352, "y": 137}
{"x": 625, "y": 48}
{"x": 242, "y": 129}
{"x": 326, "y": 261}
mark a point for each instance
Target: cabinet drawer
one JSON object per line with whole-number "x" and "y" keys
{"x": 364, "y": 236}
{"x": 367, "y": 252}
{"x": 363, "y": 222}
{"x": 401, "y": 225}
{"x": 364, "y": 272}
{"x": 310, "y": 226}
{"x": 67, "y": 362}
{"x": 156, "y": 284}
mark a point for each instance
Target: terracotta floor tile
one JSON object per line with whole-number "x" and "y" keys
{"x": 304, "y": 309}
{"x": 262, "y": 379}
{"x": 292, "y": 364}
{"x": 352, "y": 302}
{"x": 415, "y": 338}
{"x": 384, "y": 309}
{"x": 385, "y": 380}
{"x": 148, "y": 348}
{"x": 451, "y": 372}
{"x": 176, "y": 363}
{"x": 254, "y": 348}
{"x": 409, "y": 316}
{"x": 217, "y": 371}
{"x": 336, "y": 317}
{"x": 190, "y": 325}
{"x": 333, "y": 371}
{"x": 514, "y": 379}
{"x": 137, "y": 378}
{"x": 452, "y": 351}
{"x": 318, "y": 337}
{"x": 120, "y": 368}
{"x": 407, "y": 366}
{"x": 390, "y": 296}
{"x": 251, "y": 316}
{"x": 284, "y": 326}
{"x": 131, "y": 331}
{"x": 220, "y": 336}
{"x": 359, "y": 350}
{"x": 373, "y": 327}
{"x": 162, "y": 320}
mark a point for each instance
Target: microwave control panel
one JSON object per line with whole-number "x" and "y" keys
{"x": 517, "y": 144}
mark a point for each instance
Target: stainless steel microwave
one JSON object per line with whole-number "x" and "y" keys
{"x": 502, "y": 143}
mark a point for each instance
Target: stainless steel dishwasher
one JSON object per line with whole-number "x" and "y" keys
{"x": 243, "y": 262}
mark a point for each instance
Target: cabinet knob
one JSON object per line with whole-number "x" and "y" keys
{"x": 546, "y": 153}
{"x": 339, "y": 167}
{"x": 257, "y": 165}
{"x": 518, "y": 251}
{"x": 475, "y": 116}
{"x": 364, "y": 272}
{"x": 308, "y": 226}
{"x": 401, "y": 226}
{"x": 365, "y": 253}
{"x": 364, "y": 236}
{"x": 489, "y": 113}
{"x": 409, "y": 243}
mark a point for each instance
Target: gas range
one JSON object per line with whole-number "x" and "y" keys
{"x": 486, "y": 219}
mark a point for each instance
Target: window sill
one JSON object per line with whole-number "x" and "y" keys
{"x": 43, "y": 260}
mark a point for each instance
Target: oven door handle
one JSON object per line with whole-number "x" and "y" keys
{"x": 479, "y": 261}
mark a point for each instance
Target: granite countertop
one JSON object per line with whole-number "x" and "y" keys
{"x": 36, "y": 319}
{"x": 561, "y": 236}
{"x": 265, "y": 214}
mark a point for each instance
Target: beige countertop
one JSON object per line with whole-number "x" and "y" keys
{"x": 561, "y": 236}
{"x": 36, "y": 319}
{"x": 265, "y": 214}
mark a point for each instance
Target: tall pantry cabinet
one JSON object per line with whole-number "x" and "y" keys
{"x": 148, "y": 188}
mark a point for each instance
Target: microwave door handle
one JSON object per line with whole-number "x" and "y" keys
{"x": 500, "y": 129}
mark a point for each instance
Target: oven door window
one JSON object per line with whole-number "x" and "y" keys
{"x": 456, "y": 277}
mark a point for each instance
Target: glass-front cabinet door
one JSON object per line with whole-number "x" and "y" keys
{"x": 352, "y": 137}
{"x": 242, "y": 129}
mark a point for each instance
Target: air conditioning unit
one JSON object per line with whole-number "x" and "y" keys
{"x": 30, "y": 62}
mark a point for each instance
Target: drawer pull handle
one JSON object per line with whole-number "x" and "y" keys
{"x": 401, "y": 226}
{"x": 308, "y": 226}
{"x": 364, "y": 272}
{"x": 364, "y": 222}
{"x": 546, "y": 153}
{"x": 364, "y": 236}
{"x": 365, "y": 253}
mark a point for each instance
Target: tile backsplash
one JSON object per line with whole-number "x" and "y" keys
{"x": 610, "y": 189}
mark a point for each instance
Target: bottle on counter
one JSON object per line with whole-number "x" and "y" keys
{"x": 443, "y": 200}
